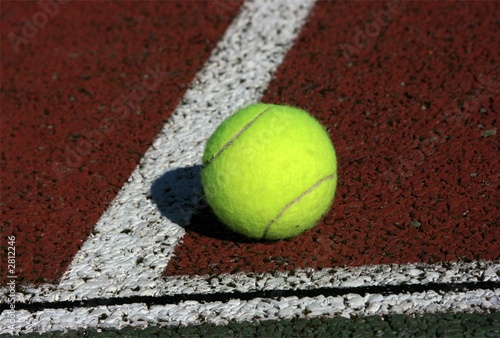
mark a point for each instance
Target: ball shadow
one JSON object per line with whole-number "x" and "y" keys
{"x": 178, "y": 195}
{"x": 177, "y": 192}
{"x": 205, "y": 223}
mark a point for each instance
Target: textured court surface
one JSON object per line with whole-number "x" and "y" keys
{"x": 105, "y": 110}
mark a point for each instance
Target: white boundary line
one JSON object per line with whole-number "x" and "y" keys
{"x": 217, "y": 312}
{"x": 257, "y": 309}
{"x": 300, "y": 279}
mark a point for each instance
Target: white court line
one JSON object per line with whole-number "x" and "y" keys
{"x": 140, "y": 314}
{"x": 196, "y": 313}
{"x": 300, "y": 279}
{"x": 132, "y": 242}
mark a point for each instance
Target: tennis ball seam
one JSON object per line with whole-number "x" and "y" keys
{"x": 231, "y": 141}
{"x": 296, "y": 200}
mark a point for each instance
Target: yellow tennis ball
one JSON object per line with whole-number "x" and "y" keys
{"x": 269, "y": 171}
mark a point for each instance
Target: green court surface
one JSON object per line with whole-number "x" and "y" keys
{"x": 430, "y": 325}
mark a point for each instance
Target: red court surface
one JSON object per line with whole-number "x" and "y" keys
{"x": 81, "y": 103}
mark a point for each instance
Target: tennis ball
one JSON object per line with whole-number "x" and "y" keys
{"x": 269, "y": 171}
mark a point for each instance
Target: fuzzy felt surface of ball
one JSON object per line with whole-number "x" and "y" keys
{"x": 269, "y": 171}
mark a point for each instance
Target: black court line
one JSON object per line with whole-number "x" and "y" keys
{"x": 273, "y": 294}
